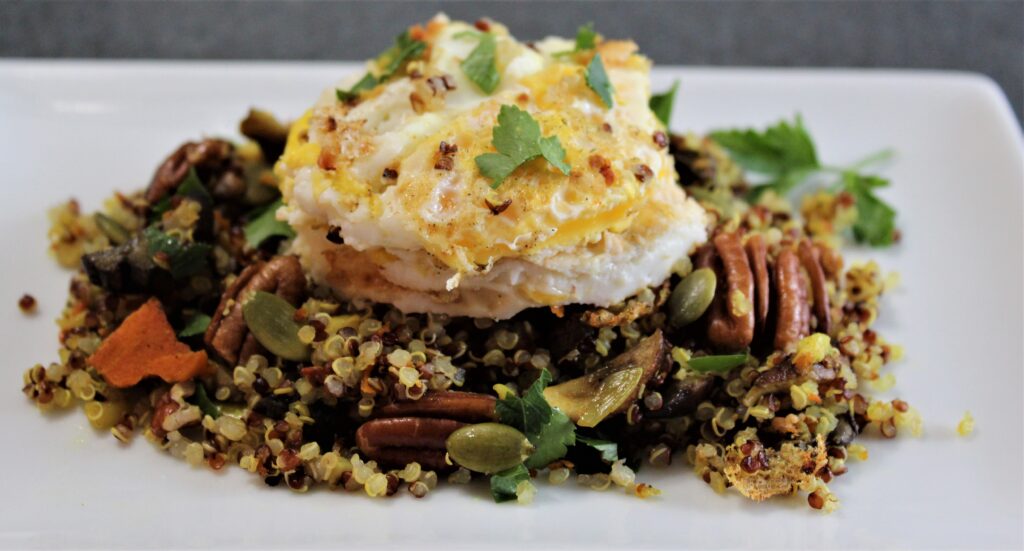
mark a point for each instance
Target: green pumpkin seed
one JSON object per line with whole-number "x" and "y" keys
{"x": 616, "y": 389}
{"x": 716, "y": 364}
{"x": 691, "y": 297}
{"x": 488, "y": 447}
{"x": 115, "y": 232}
{"x": 271, "y": 320}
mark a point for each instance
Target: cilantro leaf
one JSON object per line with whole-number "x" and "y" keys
{"x": 480, "y": 66}
{"x": 779, "y": 150}
{"x": 495, "y": 166}
{"x": 503, "y": 484}
{"x": 553, "y": 441}
{"x": 518, "y": 139}
{"x": 516, "y": 134}
{"x": 549, "y": 430}
{"x": 876, "y": 220}
{"x": 553, "y": 151}
{"x": 586, "y": 38}
{"x": 195, "y": 326}
{"x": 368, "y": 82}
{"x": 597, "y": 80}
{"x": 530, "y": 413}
{"x": 263, "y": 225}
{"x": 185, "y": 259}
{"x": 609, "y": 450}
{"x": 394, "y": 58}
{"x": 661, "y": 104}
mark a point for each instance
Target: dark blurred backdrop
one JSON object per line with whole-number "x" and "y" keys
{"x": 985, "y": 36}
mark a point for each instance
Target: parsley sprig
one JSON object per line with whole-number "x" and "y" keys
{"x": 388, "y": 63}
{"x": 518, "y": 139}
{"x": 598, "y": 81}
{"x": 785, "y": 156}
{"x": 661, "y": 104}
{"x": 481, "y": 66}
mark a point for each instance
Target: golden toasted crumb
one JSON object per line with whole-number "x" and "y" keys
{"x": 789, "y": 469}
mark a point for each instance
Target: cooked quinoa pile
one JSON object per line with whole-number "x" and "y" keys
{"x": 754, "y": 366}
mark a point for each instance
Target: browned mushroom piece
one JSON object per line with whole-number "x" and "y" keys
{"x": 793, "y": 315}
{"x": 757, "y": 254}
{"x": 396, "y": 441}
{"x": 730, "y": 327}
{"x": 811, "y": 262}
{"x": 228, "y": 336}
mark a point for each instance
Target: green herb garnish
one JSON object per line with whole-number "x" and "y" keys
{"x": 206, "y": 405}
{"x": 503, "y": 484}
{"x": 195, "y": 326}
{"x": 548, "y": 429}
{"x": 597, "y": 80}
{"x": 586, "y": 38}
{"x": 192, "y": 188}
{"x": 263, "y": 225}
{"x": 184, "y": 259}
{"x": 481, "y": 66}
{"x": 518, "y": 139}
{"x": 784, "y": 154}
{"x": 609, "y": 450}
{"x": 876, "y": 220}
{"x": 661, "y": 104}
{"x": 717, "y": 364}
{"x": 394, "y": 58}
{"x": 368, "y": 82}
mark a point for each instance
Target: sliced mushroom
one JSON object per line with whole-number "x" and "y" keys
{"x": 612, "y": 388}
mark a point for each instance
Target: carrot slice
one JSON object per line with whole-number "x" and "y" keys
{"x": 145, "y": 345}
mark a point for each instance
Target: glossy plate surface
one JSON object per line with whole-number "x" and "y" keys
{"x": 85, "y": 129}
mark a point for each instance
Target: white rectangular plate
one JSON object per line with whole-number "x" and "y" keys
{"x": 85, "y": 129}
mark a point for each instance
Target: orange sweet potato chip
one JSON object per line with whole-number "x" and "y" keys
{"x": 145, "y": 345}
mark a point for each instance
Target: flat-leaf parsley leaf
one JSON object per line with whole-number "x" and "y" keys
{"x": 661, "y": 104}
{"x": 518, "y": 139}
{"x": 597, "y": 80}
{"x": 481, "y": 65}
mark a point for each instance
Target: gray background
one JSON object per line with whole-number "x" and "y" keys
{"x": 985, "y": 36}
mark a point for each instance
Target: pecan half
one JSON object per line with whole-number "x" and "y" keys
{"x": 757, "y": 254}
{"x": 214, "y": 161}
{"x": 811, "y": 261}
{"x": 397, "y": 441}
{"x": 450, "y": 404}
{"x": 416, "y": 430}
{"x": 793, "y": 316}
{"x": 729, "y": 327}
{"x": 227, "y": 335}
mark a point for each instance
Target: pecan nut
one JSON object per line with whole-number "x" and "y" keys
{"x": 793, "y": 315}
{"x": 228, "y": 336}
{"x": 730, "y": 327}
{"x": 416, "y": 430}
{"x": 397, "y": 441}
{"x": 811, "y": 260}
{"x": 757, "y": 254}
{"x": 214, "y": 161}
